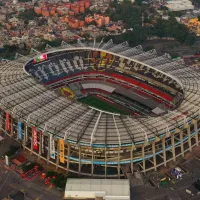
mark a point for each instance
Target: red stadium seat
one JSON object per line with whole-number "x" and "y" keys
{"x": 142, "y": 85}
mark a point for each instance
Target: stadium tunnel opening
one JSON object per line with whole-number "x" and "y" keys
{"x": 107, "y": 81}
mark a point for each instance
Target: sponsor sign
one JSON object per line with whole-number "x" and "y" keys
{"x": 20, "y": 130}
{"x": 52, "y": 147}
{"x": 34, "y": 137}
{"x": 62, "y": 151}
{"x": 8, "y": 125}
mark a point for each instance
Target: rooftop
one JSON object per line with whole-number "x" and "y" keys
{"x": 91, "y": 188}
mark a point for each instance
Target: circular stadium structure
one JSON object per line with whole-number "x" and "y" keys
{"x": 101, "y": 110}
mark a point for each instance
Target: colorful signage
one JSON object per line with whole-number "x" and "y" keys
{"x": 52, "y": 148}
{"x": 34, "y": 137}
{"x": 8, "y": 125}
{"x": 20, "y": 130}
{"x": 40, "y": 58}
{"x": 62, "y": 151}
{"x": 100, "y": 60}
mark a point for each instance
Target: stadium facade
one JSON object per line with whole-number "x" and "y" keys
{"x": 164, "y": 123}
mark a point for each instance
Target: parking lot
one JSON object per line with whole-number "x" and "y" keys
{"x": 173, "y": 189}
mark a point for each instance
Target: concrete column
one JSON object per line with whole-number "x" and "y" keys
{"x": 79, "y": 164}
{"x": 68, "y": 155}
{"x": 58, "y": 154}
{"x": 143, "y": 161}
{"x": 105, "y": 163}
{"x": 189, "y": 136}
{"x": 132, "y": 148}
{"x": 17, "y": 132}
{"x": 40, "y": 145}
{"x": 181, "y": 141}
{"x": 154, "y": 155}
{"x": 164, "y": 151}
{"x": 118, "y": 168}
{"x": 1, "y": 120}
{"x": 11, "y": 128}
{"x": 196, "y": 132}
{"x": 48, "y": 151}
{"x": 92, "y": 169}
{"x": 31, "y": 143}
{"x": 173, "y": 147}
{"x": 25, "y": 135}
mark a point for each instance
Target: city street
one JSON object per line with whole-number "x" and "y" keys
{"x": 10, "y": 180}
{"x": 35, "y": 189}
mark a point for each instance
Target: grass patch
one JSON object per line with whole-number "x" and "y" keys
{"x": 101, "y": 104}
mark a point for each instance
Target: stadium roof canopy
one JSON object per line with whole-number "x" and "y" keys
{"x": 28, "y": 100}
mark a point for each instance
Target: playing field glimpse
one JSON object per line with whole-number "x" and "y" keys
{"x": 101, "y": 104}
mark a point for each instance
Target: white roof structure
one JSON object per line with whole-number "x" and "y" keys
{"x": 107, "y": 189}
{"x": 98, "y": 85}
{"x": 30, "y": 101}
{"x": 179, "y": 5}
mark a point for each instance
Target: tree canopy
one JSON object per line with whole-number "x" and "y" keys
{"x": 27, "y": 15}
{"x": 171, "y": 28}
{"x": 59, "y": 180}
{"x": 196, "y": 1}
{"x": 24, "y": 1}
{"x": 126, "y": 11}
{"x": 8, "y": 51}
{"x": 132, "y": 17}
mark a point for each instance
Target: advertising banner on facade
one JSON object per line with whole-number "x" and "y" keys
{"x": 20, "y": 130}
{"x": 8, "y": 125}
{"x": 62, "y": 151}
{"x": 52, "y": 147}
{"x": 34, "y": 138}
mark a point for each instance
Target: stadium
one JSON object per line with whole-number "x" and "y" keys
{"x": 101, "y": 109}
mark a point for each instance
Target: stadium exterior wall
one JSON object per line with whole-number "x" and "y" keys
{"x": 168, "y": 148}
{"x": 105, "y": 160}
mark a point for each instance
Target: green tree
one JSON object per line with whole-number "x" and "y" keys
{"x": 27, "y": 15}
{"x": 26, "y": 21}
{"x": 24, "y": 1}
{"x": 139, "y": 2}
{"x": 196, "y": 1}
{"x": 41, "y": 46}
{"x": 55, "y": 43}
{"x": 9, "y": 51}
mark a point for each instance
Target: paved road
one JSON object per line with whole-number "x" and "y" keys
{"x": 35, "y": 189}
